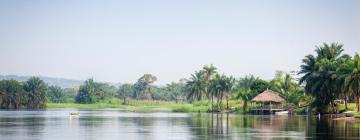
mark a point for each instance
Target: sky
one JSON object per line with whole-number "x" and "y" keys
{"x": 119, "y": 41}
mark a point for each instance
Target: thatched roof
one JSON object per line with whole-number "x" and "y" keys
{"x": 268, "y": 96}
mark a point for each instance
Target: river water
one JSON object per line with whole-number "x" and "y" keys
{"x": 112, "y": 124}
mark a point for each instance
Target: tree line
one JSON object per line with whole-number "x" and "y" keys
{"x": 324, "y": 77}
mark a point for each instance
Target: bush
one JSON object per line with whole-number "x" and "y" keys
{"x": 183, "y": 108}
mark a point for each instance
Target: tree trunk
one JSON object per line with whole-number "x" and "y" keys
{"x": 212, "y": 103}
{"x": 346, "y": 99}
{"x": 358, "y": 104}
{"x": 124, "y": 101}
{"x": 333, "y": 106}
{"x": 227, "y": 102}
{"x": 244, "y": 106}
{"x": 218, "y": 103}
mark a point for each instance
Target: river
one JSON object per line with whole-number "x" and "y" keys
{"x": 111, "y": 124}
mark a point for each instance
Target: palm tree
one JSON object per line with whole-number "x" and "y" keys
{"x": 244, "y": 90}
{"x": 220, "y": 86}
{"x": 319, "y": 74}
{"x": 208, "y": 71}
{"x": 195, "y": 86}
{"x": 228, "y": 85}
{"x": 345, "y": 68}
{"x": 246, "y": 95}
{"x": 11, "y": 94}
{"x": 36, "y": 92}
{"x": 352, "y": 81}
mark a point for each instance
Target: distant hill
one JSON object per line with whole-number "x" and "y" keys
{"x": 62, "y": 82}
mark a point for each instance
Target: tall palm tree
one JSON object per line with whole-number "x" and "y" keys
{"x": 208, "y": 71}
{"x": 353, "y": 80}
{"x": 228, "y": 86}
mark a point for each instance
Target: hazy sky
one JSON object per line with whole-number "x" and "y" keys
{"x": 119, "y": 41}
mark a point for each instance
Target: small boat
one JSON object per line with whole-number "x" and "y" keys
{"x": 282, "y": 113}
{"x": 74, "y": 114}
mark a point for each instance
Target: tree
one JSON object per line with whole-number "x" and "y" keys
{"x": 246, "y": 95}
{"x": 220, "y": 86}
{"x": 259, "y": 85}
{"x": 345, "y": 68}
{"x": 195, "y": 86}
{"x": 352, "y": 80}
{"x": 91, "y": 92}
{"x": 125, "y": 91}
{"x": 284, "y": 84}
{"x": 12, "y": 94}
{"x": 143, "y": 87}
{"x": 36, "y": 92}
{"x": 208, "y": 72}
{"x": 244, "y": 90}
{"x": 56, "y": 94}
{"x": 175, "y": 90}
{"x": 320, "y": 76}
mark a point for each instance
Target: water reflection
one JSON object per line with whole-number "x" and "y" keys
{"x": 117, "y": 124}
{"x": 21, "y": 127}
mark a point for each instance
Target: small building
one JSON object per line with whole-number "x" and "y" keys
{"x": 271, "y": 103}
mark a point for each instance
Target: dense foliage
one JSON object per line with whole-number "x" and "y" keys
{"x": 30, "y": 94}
{"x": 92, "y": 92}
{"x": 330, "y": 75}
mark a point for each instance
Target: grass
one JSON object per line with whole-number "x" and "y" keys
{"x": 147, "y": 105}
{"x": 151, "y": 105}
{"x": 139, "y": 105}
{"x": 351, "y": 107}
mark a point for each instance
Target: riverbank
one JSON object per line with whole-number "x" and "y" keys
{"x": 141, "y": 107}
{"x": 199, "y": 106}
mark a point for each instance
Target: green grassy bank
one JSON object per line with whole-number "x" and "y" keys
{"x": 143, "y": 105}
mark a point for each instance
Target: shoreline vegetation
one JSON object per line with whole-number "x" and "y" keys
{"x": 328, "y": 82}
{"x": 144, "y": 106}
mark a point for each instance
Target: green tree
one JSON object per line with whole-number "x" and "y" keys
{"x": 196, "y": 86}
{"x": 345, "y": 68}
{"x": 12, "y": 95}
{"x": 143, "y": 87}
{"x": 352, "y": 80}
{"x": 220, "y": 86}
{"x": 259, "y": 86}
{"x": 244, "y": 90}
{"x": 56, "y": 94}
{"x": 320, "y": 75}
{"x": 175, "y": 90}
{"x": 125, "y": 91}
{"x": 36, "y": 92}
{"x": 284, "y": 84}
{"x": 91, "y": 92}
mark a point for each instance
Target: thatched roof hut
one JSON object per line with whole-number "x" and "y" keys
{"x": 268, "y": 96}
